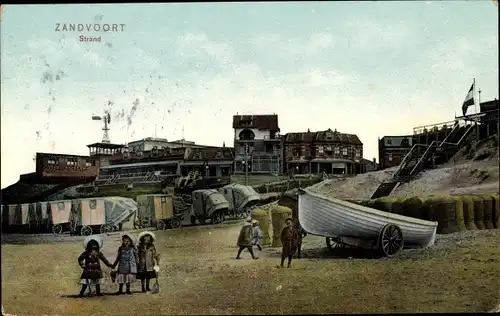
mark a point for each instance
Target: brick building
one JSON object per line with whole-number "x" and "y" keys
{"x": 257, "y": 143}
{"x": 324, "y": 151}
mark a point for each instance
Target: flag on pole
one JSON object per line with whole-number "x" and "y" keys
{"x": 469, "y": 100}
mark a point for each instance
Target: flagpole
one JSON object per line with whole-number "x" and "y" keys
{"x": 475, "y": 103}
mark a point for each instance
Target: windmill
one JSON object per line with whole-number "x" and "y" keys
{"x": 107, "y": 120}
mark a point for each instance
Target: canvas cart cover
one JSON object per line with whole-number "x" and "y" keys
{"x": 238, "y": 196}
{"x": 208, "y": 201}
{"x": 25, "y": 209}
{"x": 145, "y": 210}
{"x": 43, "y": 209}
{"x": 181, "y": 205}
{"x": 90, "y": 212}
{"x": 119, "y": 209}
{"x": 60, "y": 211}
{"x": 12, "y": 214}
{"x": 153, "y": 207}
{"x": 5, "y": 214}
{"x": 34, "y": 214}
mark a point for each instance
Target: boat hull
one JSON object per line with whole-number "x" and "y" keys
{"x": 329, "y": 217}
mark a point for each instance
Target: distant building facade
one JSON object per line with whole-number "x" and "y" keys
{"x": 63, "y": 168}
{"x": 327, "y": 151}
{"x": 257, "y": 144}
{"x": 393, "y": 149}
{"x": 150, "y": 143}
{"x": 168, "y": 162}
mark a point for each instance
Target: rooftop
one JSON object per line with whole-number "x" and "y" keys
{"x": 262, "y": 122}
{"x": 106, "y": 145}
{"x": 328, "y": 135}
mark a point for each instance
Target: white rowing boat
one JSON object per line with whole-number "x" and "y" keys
{"x": 329, "y": 217}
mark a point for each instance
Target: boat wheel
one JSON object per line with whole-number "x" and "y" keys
{"x": 390, "y": 240}
{"x": 175, "y": 223}
{"x": 161, "y": 225}
{"x": 86, "y": 231}
{"x": 57, "y": 229}
{"x": 333, "y": 244}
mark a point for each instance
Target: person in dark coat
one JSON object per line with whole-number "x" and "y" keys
{"x": 89, "y": 261}
{"x": 149, "y": 258}
{"x": 245, "y": 239}
{"x": 290, "y": 242}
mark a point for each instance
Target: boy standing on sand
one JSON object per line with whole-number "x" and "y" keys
{"x": 245, "y": 239}
{"x": 257, "y": 234}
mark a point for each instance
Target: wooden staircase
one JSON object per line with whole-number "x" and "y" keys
{"x": 422, "y": 157}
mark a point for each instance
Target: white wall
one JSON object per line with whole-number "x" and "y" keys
{"x": 259, "y": 134}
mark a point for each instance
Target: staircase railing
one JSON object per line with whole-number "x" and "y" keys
{"x": 408, "y": 158}
{"x": 455, "y": 128}
{"x": 430, "y": 150}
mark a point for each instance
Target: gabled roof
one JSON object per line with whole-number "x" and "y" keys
{"x": 323, "y": 136}
{"x": 263, "y": 122}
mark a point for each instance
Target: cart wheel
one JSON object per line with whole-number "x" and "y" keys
{"x": 390, "y": 240}
{"x": 202, "y": 220}
{"x": 107, "y": 228}
{"x": 57, "y": 229}
{"x": 161, "y": 225}
{"x": 86, "y": 231}
{"x": 333, "y": 244}
{"x": 218, "y": 218}
{"x": 137, "y": 225}
{"x": 175, "y": 223}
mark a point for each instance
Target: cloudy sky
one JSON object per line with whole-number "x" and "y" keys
{"x": 368, "y": 68}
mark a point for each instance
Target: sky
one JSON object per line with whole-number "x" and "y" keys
{"x": 184, "y": 69}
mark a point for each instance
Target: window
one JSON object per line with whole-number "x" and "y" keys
{"x": 89, "y": 163}
{"x": 344, "y": 151}
{"x": 358, "y": 153}
{"x": 71, "y": 161}
{"x": 93, "y": 204}
{"x": 329, "y": 135}
{"x": 336, "y": 150}
{"x": 390, "y": 157}
{"x": 51, "y": 162}
{"x": 320, "y": 150}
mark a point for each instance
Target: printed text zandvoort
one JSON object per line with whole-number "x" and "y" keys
{"x": 89, "y": 27}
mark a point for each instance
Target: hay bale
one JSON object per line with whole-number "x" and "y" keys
{"x": 496, "y": 210}
{"x": 279, "y": 215}
{"x": 444, "y": 212}
{"x": 263, "y": 217}
{"x": 427, "y": 210}
{"x": 412, "y": 207}
{"x": 397, "y": 206}
{"x": 468, "y": 209}
{"x": 383, "y": 204}
{"x": 478, "y": 212}
{"x": 488, "y": 204}
{"x": 460, "y": 220}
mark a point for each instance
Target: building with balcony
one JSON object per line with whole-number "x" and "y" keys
{"x": 150, "y": 143}
{"x": 257, "y": 144}
{"x": 327, "y": 151}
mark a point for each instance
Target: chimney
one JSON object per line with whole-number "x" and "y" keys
{"x": 308, "y": 130}
{"x": 374, "y": 161}
{"x": 224, "y": 144}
